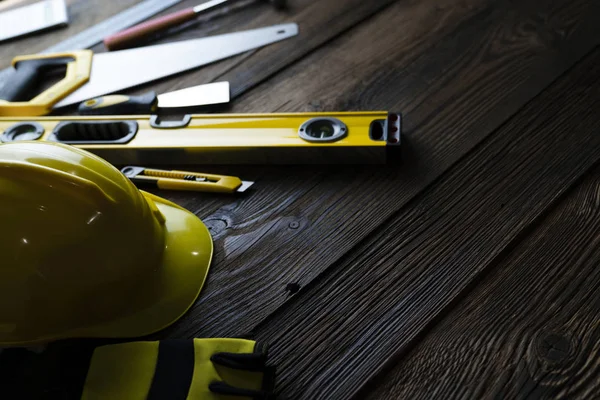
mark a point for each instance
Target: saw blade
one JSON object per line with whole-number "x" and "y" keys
{"x": 124, "y": 69}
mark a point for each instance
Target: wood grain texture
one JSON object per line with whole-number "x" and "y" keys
{"x": 530, "y": 328}
{"x": 343, "y": 271}
{"x": 364, "y": 313}
{"x": 309, "y": 218}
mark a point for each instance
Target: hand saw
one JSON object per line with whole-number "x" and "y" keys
{"x": 90, "y": 75}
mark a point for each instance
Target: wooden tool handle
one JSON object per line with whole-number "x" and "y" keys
{"x": 129, "y": 37}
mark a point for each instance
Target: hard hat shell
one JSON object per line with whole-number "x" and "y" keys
{"x": 87, "y": 254}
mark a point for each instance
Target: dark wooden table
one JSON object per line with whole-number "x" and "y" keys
{"x": 471, "y": 270}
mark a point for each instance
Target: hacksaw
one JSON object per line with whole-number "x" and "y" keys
{"x": 296, "y": 138}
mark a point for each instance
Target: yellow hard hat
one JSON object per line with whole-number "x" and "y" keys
{"x": 87, "y": 254}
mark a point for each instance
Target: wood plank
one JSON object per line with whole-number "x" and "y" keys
{"x": 529, "y": 329}
{"x": 363, "y": 314}
{"x": 265, "y": 243}
{"x": 364, "y": 71}
{"x": 264, "y": 216}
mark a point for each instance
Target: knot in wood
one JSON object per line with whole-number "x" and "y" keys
{"x": 553, "y": 348}
{"x": 293, "y": 288}
{"x": 215, "y": 226}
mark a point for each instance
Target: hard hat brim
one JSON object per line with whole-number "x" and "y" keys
{"x": 186, "y": 261}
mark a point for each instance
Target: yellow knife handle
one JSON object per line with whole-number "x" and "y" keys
{"x": 213, "y": 183}
{"x": 184, "y": 180}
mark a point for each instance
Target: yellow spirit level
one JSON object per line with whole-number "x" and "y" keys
{"x": 297, "y": 138}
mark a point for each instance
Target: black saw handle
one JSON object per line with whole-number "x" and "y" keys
{"x": 27, "y": 76}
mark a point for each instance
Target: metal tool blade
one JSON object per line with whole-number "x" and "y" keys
{"x": 207, "y": 5}
{"x": 32, "y": 18}
{"x": 119, "y": 70}
{"x": 245, "y": 186}
{"x": 210, "y": 93}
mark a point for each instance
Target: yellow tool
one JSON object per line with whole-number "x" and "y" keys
{"x": 27, "y": 74}
{"x": 295, "y": 138}
{"x": 182, "y": 180}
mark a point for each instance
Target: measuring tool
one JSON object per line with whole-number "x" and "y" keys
{"x": 182, "y": 180}
{"x": 134, "y": 35}
{"x": 148, "y": 103}
{"x": 204, "y": 139}
{"x": 114, "y": 71}
{"x": 96, "y": 33}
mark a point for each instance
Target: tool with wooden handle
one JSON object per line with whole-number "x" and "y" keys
{"x": 138, "y": 33}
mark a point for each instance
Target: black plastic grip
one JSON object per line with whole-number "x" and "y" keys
{"x": 134, "y": 105}
{"x": 279, "y": 4}
{"x": 27, "y": 75}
